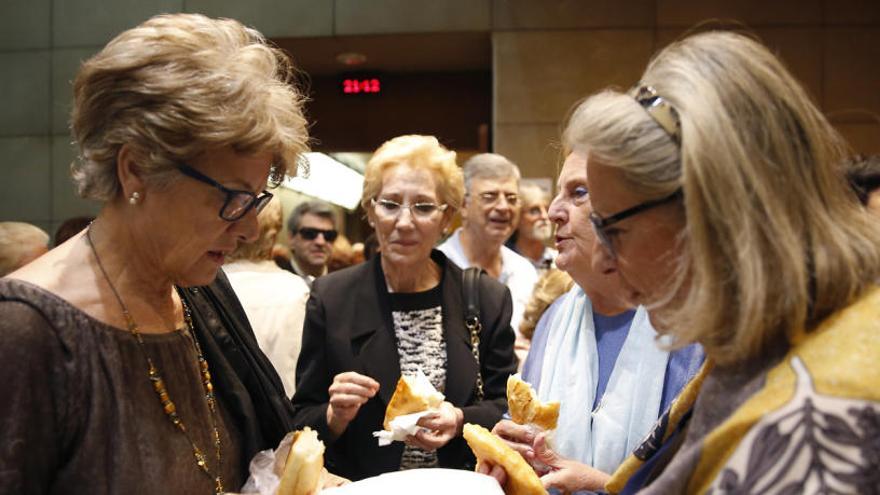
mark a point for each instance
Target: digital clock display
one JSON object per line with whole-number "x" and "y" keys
{"x": 353, "y": 86}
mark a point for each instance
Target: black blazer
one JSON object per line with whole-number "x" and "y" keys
{"x": 348, "y": 327}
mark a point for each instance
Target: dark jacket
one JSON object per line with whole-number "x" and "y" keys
{"x": 348, "y": 328}
{"x": 240, "y": 372}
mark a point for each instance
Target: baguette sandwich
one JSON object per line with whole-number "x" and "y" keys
{"x": 303, "y": 465}
{"x": 413, "y": 394}
{"x": 525, "y": 408}
{"x": 521, "y": 478}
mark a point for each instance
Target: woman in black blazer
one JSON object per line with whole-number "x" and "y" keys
{"x": 400, "y": 311}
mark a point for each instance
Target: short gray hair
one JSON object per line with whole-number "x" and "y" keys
{"x": 533, "y": 193}
{"x": 488, "y": 166}
{"x": 314, "y": 207}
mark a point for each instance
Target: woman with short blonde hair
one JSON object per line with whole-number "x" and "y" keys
{"x": 418, "y": 152}
{"x": 398, "y": 314}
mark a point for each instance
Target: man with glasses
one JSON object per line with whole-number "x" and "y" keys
{"x": 312, "y": 230}
{"x": 489, "y": 215}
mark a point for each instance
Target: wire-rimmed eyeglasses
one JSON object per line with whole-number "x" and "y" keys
{"x": 391, "y": 209}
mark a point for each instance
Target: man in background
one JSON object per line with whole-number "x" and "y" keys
{"x": 535, "y": 229}
{"x": 489, "y": 214}
{"x": 312, "y": 230}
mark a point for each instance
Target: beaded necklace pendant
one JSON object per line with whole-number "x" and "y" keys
{"x": 161, "y": 391}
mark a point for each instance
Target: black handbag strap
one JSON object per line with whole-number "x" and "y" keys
{"x": 471, "y": 294}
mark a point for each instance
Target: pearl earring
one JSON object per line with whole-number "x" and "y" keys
{"x": 135, "y": 197}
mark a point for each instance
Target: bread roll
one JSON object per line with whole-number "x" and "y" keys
{"x": 525, "y": 408}
{"x": 521, "y": 478}
{"x": 304, "y": 465}
{"x": 413, "y": 394}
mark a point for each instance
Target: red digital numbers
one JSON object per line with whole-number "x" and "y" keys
{"x": 358, "y": 86}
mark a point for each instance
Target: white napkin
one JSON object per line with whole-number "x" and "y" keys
{"x": 263, "y": 478}
{"x": 401, "y": 427}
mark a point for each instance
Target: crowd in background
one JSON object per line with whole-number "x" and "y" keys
{"x": 709, "y": 259}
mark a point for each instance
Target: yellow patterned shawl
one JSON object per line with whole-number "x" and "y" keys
{"x": 839, "y": 361}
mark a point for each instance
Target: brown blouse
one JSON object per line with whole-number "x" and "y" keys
{"x": 78, "y": 413}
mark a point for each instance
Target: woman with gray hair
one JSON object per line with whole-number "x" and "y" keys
{"x": 717, "y": 194}
{"x": 129, "y": 366}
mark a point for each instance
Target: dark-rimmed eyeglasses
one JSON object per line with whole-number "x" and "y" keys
{"x": 601, "y": 224}
{"x": 391, "y": 209}
{"x": 238, "y": 202}
{"x": 311, "y": 233}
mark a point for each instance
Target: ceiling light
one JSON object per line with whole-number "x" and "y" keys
{"x": 351, "y": 59}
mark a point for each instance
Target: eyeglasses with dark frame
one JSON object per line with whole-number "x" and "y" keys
{"x": 311, "y": 233}
{"x": 238, "y": 202}
{"x": 600, "y": 224}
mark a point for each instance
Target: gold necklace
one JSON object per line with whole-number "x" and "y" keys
{"x": 158, "y": 383}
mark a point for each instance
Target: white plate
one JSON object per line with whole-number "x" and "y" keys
{"x": 422, "y": 482}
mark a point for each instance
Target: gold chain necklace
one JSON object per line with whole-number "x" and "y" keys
{"x": 159, "y": 384}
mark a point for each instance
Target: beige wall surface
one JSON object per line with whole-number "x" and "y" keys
{"x": 547, "y": 54}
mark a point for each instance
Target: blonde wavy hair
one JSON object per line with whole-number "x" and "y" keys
{"x": 552, "y": 284}
{"x": 269, "y": 221}
{"x": 774, "y": 242}
{"x": 176, "y": 86}
{"x": 419, "y": 152}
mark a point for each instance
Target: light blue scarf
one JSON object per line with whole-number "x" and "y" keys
{"x": 570, "y": 375}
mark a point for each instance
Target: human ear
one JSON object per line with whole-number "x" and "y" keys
{"x": 464, "y": 208}
{"x": 131, "y": 184}
{"x": 371, "y": 218}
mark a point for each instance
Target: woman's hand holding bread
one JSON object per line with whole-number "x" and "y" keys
{"x": 441, "y": 426}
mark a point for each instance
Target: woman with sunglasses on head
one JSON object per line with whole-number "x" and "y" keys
{"x": 128, "y": 363}
{"x": 717, "y": 191}
{"x": 400, "y": 312}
